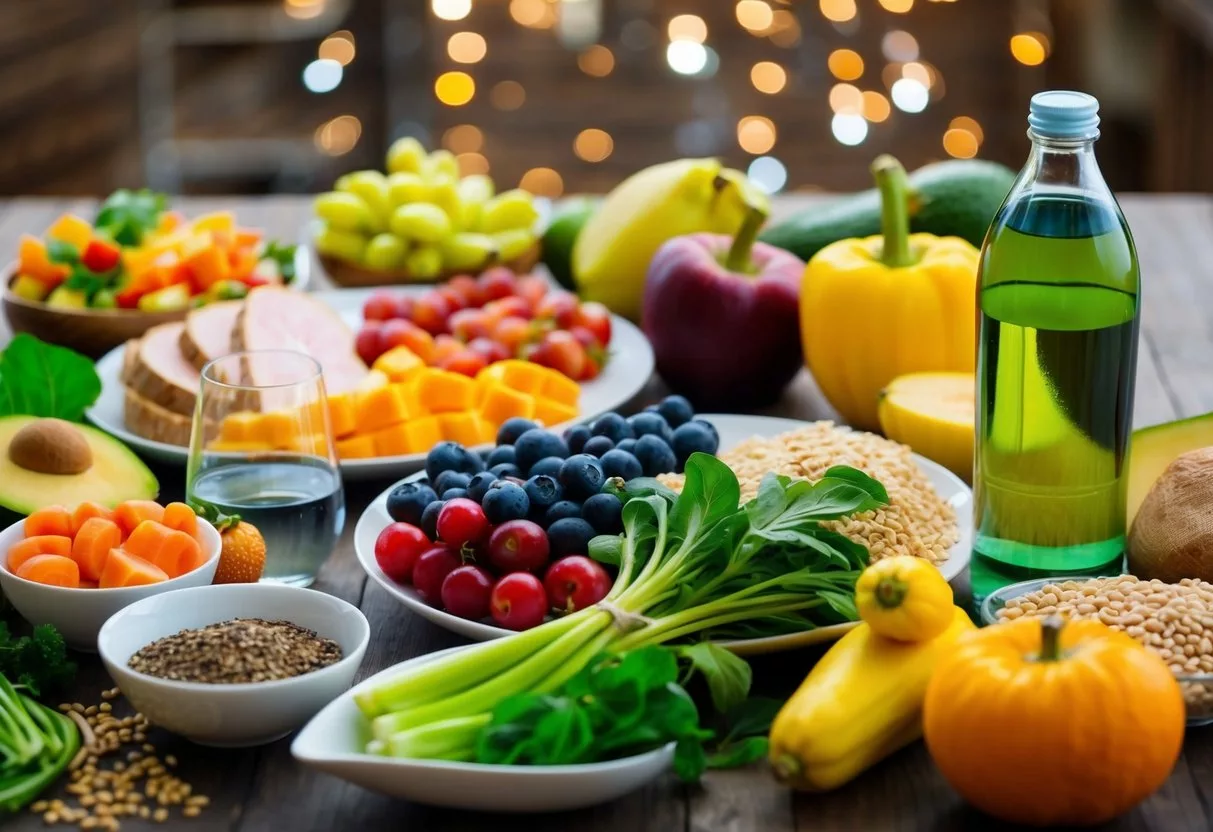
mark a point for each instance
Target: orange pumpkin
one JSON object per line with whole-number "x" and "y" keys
{"x": 1047, "y": 723}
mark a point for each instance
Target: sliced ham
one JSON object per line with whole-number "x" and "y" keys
{"x": 159, "y": 373}
{"x": 208, "y": 332}
{"x": 274, "y": 318}
{"x": 151, "y": 421}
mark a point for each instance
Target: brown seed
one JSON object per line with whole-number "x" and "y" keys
{"x": 144, "y": 812}
{"x": 191, "y": 811}
{"x": 88, "y": 823}
{"x": 198, "y": 800}
{"x": 160, "y": 815}
{"x": 105, "y": 707}
{"x": 50, "y": 818}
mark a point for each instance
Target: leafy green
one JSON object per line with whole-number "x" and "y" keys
{"x": 126, "y": 217}
{"x": 727, "y": 675}
{"x": 37, "y": 662}
{"x": 44, "y": 380}
{"x": 36, "y": 745}
{"x": 58, "y": 251}
{"x": 283, "y": 256}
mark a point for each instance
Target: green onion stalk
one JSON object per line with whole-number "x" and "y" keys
{"x": 36, "y": 745}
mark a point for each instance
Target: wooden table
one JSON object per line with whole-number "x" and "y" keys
{"x": 264, "y": 789}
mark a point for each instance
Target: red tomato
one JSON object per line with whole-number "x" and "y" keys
{"x": 562, "y": 352}
{"x": 468, "y": 289}
{"x": 468, "y": 362}
{"x": 468, "y": 324}
{"x": 532, "y": 288}
{"x": 430, "y": 312}
{"x": 384, "y": 305}
{"x": 512, "y": 333}
{"x": 492, "y": 351}
{"x": 497, "y": 282}
{"x": 368, "y": 343}
{"x": 560, "y": 307}
{"x": 597, "y": 319}
{"x": 100, "y": 256}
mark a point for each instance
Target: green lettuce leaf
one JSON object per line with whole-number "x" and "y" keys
{"x": 40, "y": 379}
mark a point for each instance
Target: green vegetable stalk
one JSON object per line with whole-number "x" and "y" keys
{"x": 691, "y": 564}
{"x": 36, "y": 745}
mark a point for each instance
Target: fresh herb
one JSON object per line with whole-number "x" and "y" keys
{"x": 57, "y": 251}
{"x": 691, "y": 565}
{"x": 127, "y": 216}
{"x": 283, "y": 257}
{"x": 44, "y": 380}
{"x": 36, "y": 745}
{"x": 37, "y": 662}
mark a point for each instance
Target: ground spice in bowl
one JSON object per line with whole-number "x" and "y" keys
{"x": 238, "y": 651}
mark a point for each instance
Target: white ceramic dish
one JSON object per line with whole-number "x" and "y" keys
{"x": 733, "y": 430}
{"x": 625, "y": 375}
{"x": 334, "y": 740}
{"x": 79, "y": 613}
{"x": 242, "y": 714}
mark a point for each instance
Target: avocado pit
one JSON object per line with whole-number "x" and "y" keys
{"x": 50, "y": 446}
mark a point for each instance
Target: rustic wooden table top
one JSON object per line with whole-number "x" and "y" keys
{"x": 263, "y": 789}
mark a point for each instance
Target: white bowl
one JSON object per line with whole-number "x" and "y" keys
{"x": 334, "y": 742}
{"x": 233, "y": 715}
{"x": 79, "y": 613}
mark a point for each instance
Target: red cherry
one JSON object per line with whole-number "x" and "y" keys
{"x": 466, "y": 592}
{"x": 518, "y": 601}
{"x": 497, "y": 282}
{"x": 397, "y": 548}
{"x": 467, "y": 288}
{"x": 430, "y": 312}
{"x": 461, "y": 521}
{"x": 576, "y": 582}
{"x": 518, "y": 546}
{"x": 562, "y": 352}
{"x": 368, "y": 343}
{"x": 431, "y": 569}
{"x": 468, "y": 324}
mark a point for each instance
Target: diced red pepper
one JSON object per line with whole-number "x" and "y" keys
{"x": 128, "y": 298}
{"x": 100, "y": 256}
{"x": 254, "y": 280}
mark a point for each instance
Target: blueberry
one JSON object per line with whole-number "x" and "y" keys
{"x": 543, "y": 491}
{"x": 612, "y": 426}
{"x": 644, "y": 424}
{"x": 581, "y": 475}
{"x": 429, "y": 519}
{"x": 565, "y": 509}
{"x": 505, "y": 501}
{"x": 534, "y": 445}
{"x": 576, "y": 436}
{"x": 655, "y": 456}
{"x": 512, "y": 428}
{"x": 676, "y": 410}
{"x": 597, "y": 446}
{"x": 452, "y": 493}
{"x": 710, "y": 427}
{"x": 506, "y": 469}
{"x": 619, "y": 463}
{"x": 407, "y": 501}
{"x": 692, "y": 437}
{"x": 500, "y": 454}
{"x": 628, "y": 445}
{"x": 549, "y": 466}
{"x": 451, "y": 456}
{"x": 569, "y": 536}
{"x": 451, "y": 479}
{"x": 480, "y": 484}
{"x": 604, "y": 512}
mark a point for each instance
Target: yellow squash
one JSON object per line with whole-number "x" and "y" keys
{"x": 933, "y": 413}
{"x": 861, "y": 702}
{"x": 904, "y": 598}
{"x": 876, "y": 308}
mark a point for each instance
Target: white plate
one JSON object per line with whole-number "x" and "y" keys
{"x": 624, "y": 376}
{"x": 734, "y": 430}
{"x": 334, "y": 740}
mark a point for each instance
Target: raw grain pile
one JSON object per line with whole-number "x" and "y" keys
{"x": 916, "y": 521}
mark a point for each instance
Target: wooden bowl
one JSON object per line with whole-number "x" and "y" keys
{"x": 351, "y": 275}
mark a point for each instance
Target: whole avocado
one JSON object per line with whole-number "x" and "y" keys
{"x": 956, "y": 198}
{"x": 560, "y": 235}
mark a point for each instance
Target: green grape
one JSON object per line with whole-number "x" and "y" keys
{"x": 424, "y": 263}
{"x": 406, "y": 187}
{"x": 405, "y": 156}
{"x": 510, "y": 209}
{"x": 421, "y": 221}
{"x": 444, "y": 193}
{"x": 344, "y": 245}
{"x": 344, "y": 211}
{"x": 385, "y": 252}
{"x": 514, "y": 243}
{"x": 469, "y": 215}
{"x": 440, "y": 163}
{"x": 466, "y": 251}
{"x": 476, "y": 188}
{"x": 371, "y": 185}
{"x": 342, "y": 183}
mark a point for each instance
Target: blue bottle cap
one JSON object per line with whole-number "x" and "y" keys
{"x": 1064, "y": 114}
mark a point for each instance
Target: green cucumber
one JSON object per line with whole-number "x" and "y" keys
{"x": 559, "y": 238}
{"x": 950, "y": 199}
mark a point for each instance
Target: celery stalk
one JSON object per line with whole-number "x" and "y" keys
{"x": 438, "y": 739}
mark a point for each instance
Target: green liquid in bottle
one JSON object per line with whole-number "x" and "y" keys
{"x": 1056, "y": 365}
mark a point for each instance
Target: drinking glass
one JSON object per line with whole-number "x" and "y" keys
{"x": 261, "y": 447}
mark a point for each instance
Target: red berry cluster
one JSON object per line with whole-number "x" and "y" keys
{"x": 471, "y": 322}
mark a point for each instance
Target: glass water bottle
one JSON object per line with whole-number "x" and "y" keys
{"x": 1059, "y": 309}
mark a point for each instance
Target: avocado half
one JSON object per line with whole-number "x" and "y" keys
{"x": 111, "y": 475}
{"x": 1156, "y": 447}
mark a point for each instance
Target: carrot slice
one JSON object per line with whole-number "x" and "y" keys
{"x": 146, "y": 539}
{"x": 124, "y": 569}
{"x": 88, "y": 510}
{"x": 55, "y": 570}
{"x": 50, "y": 520}
{"x": 31, "y": 547}
{"x": 180, "y": 517}
{"x": 88, "y": 584}
{"x": 92, "y": 546}
{"x": 175, "y": 552}
{"x": 130, "y": 514}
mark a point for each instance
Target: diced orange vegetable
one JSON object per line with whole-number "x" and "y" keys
{"x": 391, "y": 441}
{"x": 423, "y": 434}
{"x": 550, "y": 412}
{"x": 501, "y": 403}
{"x": 278, "y": 429}
{"x": 92, "y": 546}
{"x": 86, "y": 511}
{"x": 169, "y": 221}
{"x": 173, "y": 551}
{"x": 207, "y": 267}
{"x": 242, "y": 263}
{"x": 443, "y": 392}
{"x": 71, "y": 229}
{"x": 53, "y": 570}
{"x": 356, "y": 447}
{"x": 130, "y": 514}
{"x": 32, "y": 259}
{"x": 223, "y": 239}
{"x": 560, "y": 388}
{"x": 399, "y": 363}
{"x": 239, "y": 426}
{"x": 43, "y": 544}
{"x": 247, "y": 237}
{"x": 341, "y": 414}
{"x": 124, "y": 569}
{"x": 379, "y": 408}
{"x": 463, "y": 428}
{"x": 48, "y": 520}
{"x": 180, "y": 517}
{"x": 217, "y": 221}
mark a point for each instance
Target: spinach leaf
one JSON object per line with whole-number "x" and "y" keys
{"x": 738, "y": 754}
{"x": 607, "y": 548}
{"x": 44, "y": 380}
{"x": 727, "y": 675}
{"x": 710, "y": 493}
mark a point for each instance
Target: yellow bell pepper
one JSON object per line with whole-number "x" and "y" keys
{"x": 904, "y": 598}
{"x": 876, "y": 308}
{"x": 862, "y": 702}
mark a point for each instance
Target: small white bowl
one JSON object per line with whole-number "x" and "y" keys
{"x": 233, "y": 715}
{"x": 79, "y": 613}
{"x": 335, "y": 741}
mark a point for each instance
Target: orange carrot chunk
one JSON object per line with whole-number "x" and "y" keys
{"x": 146, "y": 539}
{"x": 175, "y": 552}
{"x": 124, "y": 569}
{"x": 43, "y": 544}
{"x": 87, "y": 511}
{"x": 55, "y": 570}
{"x": 130, "y": 514}
{"x": 92, "y": 546}
{"x": 180, "y": 517}
{"x": 50, "y": 520}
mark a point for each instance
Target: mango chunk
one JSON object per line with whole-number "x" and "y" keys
{"x": 560, "y": 388}
{"x": 239, "y": 427}
{"x": 379, "y": 408}
{"x": 372, "y": 380}
{"x": 232, "y": 447}
{"x": 444, "y": 392}
{"x": 464, "y": 428}
{"x": 423, "y": 434}
{"x": 501, "y": 403}
{"x": 399, "y": 363}
{"x": 71, "y": 229}
{"x": 391, "y": 441}
{"x": 550, "y": 412}
{"x": 356, "y": 447}
{"x": 341, "y": 414}
{"x": 278, "y": 429}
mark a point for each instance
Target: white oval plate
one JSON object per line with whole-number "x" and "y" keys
{"x": 624, "y": 376}
{"x": 733, "y": 429}
{"x": 333, "y": 742}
